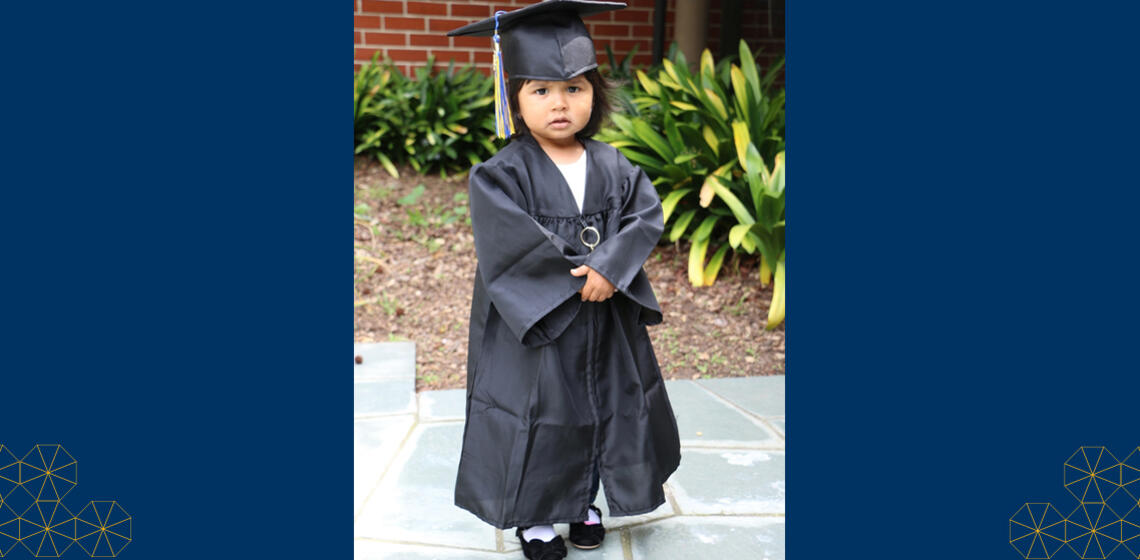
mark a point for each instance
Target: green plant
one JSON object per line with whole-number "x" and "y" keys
{"x": 719, "y": 127}
{"x": 388, "y": 304}
{"x": 619, "y": 71}
{"x": 379, "y": 106}
{"x": 438, "y": 121}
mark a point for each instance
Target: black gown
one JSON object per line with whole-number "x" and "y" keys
{"x": 555, "y": 384}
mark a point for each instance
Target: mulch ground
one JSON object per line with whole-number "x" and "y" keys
{"x": 414, "y": 266}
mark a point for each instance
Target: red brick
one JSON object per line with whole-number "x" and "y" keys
{"x": 611, "y": 31}
{"x": 477, "y": 42}
{"x": 639, "y": 16}
{"x": 409, "y": 23}
{"x": 470, "y": 10}
{"x": 382, "y": 7}
{"x": 407, "y": 55}
{"x": 483, "y": 57}
{"x": 356, "y": 38}
{"x": 641, "y": 31}
{"x": 429, "y": 8}
{"x": 460, "y": 57}
{"x": 387, "y": 39}
{"x": 622, "y": 47}
{"x": 365, "y": 54}
{"x": 366, "y": 21}
{"x": 429, "y": 41}
{"x": 445, "y": 25}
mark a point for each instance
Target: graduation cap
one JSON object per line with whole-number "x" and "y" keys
{"x": 543, "y": 41}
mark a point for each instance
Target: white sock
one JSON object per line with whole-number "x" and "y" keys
{"x": 544, "y": 533}
{"x": 594, "y": 519}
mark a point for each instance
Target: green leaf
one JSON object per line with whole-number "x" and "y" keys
{"x": 705, "y": 229}
{"x": 674, "y": 136}
{"x": 714, "y": 264}
{"x": 681, "y": 225}
{"x": 654, "y": 140}
{"x": 708, "y": 69}
{"x": 411, "y": 197}
{"x": 650, "y": 87}
{"x": 649, "y": 163}
{"x": 715, "y": 101}
{"x": 623, "y": 123}
{"x": 748, "y": 242}
{"x": 733, "y": 203}
{"x": 737, "y": 234}
{"x": 776, "y": 181}
{"x": 712, "y": 140}
{"x": 743, "y": 101}
{"x": 697, "y": 261}
{"x": 671, "y": 201}
{"x": 670, "y": 70}
{"x": 741, "y": 138}
{"x": 387, "y": 163}
{"x": 685, "y": 157}
{"x": 748, "y": 65}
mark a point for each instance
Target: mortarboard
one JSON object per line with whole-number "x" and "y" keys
{"x": 543, "y": 41}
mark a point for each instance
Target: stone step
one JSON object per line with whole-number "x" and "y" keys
{"x": 727, "y": 495}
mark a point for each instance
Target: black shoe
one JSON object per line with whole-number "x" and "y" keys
{"x": 588, "y": 536}
{"x": 537, "y": 549}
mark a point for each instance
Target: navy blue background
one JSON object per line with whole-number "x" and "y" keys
{"x": 962, "y": 280}
{"x": 175, "y": 285}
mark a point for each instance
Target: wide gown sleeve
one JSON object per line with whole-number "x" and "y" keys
{"x": 619, "y": 257}
{"x": 525, "y": 267}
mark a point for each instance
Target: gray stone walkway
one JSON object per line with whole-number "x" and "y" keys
{"x": 726, "y": 499}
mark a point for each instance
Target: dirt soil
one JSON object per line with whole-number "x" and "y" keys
{"x": 414, "y": 265}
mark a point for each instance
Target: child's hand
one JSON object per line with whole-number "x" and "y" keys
{"x": 597, "y": 288}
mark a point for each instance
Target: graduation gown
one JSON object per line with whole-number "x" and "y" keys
{"x": 556, "y": 385}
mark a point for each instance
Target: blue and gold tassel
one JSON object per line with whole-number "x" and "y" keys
{"x": 504, "y": 126}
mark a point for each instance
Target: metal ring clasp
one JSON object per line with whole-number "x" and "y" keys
{"x": 597, "y": 237}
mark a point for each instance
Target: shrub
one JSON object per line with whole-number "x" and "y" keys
{"x": 719, "y": 128}
{"x": 442, "y": 121}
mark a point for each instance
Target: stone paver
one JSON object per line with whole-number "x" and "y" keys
{"x": 704, "y": 420}
{"x": 374, "y": 550}
{"x": 415, "y": 501}
{"x": 729, "y": 481}
{"x": 388, "y": 359}
{"x": 762, "y": 396}
{"x": 375, "y": 443}
{"x": 754, "y": 538}
{"x": 443, "y": 405}
{"x": 779, "y": 423}
{"x": 383, "y": 396}
{"x": 726, "y": 499}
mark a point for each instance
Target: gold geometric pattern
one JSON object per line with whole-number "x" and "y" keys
{"x": 102, "y": 529}
{"x": 1107, "y": 519}
{"x": 33, "y": 515}
{"x": 1037, "y": 530}
{"x": 1092, "y": 474}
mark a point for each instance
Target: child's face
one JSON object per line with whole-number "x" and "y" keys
{"x": 556, "y": 110}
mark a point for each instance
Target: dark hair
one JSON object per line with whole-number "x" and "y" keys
{"x": 603, "y": 90}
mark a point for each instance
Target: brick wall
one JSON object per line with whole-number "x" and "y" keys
{"x": 407, "y": 31}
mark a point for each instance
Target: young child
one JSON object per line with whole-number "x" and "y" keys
{"x": 563, "y": 387}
